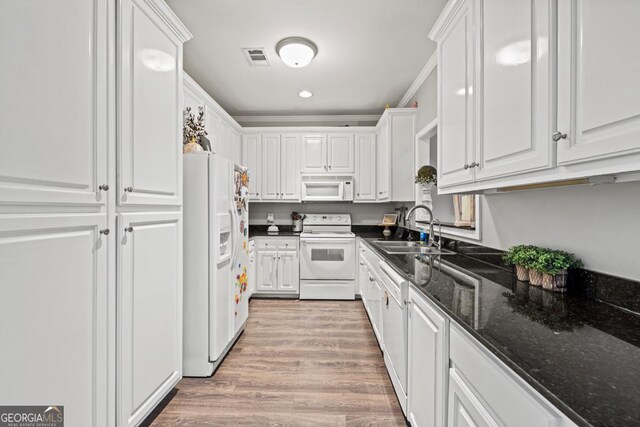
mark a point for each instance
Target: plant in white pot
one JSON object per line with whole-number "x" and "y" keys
{"x": 192, "y": 130}
{"x": 427, "y": 176}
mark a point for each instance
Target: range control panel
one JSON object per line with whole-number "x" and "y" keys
{"x": 327, "y": 219}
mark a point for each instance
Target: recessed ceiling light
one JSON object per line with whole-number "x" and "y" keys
{"x": 296, "y": 52}
{"x": 305, "y": 94}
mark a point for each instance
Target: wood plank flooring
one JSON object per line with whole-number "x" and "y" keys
{"x": 298, "y": 363}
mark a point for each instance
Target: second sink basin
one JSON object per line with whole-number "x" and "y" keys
{"x": 404, "y": 247}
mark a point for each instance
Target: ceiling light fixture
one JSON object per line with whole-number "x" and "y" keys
{"x": 305, "y": 94}
{"x": 296, "y": 52}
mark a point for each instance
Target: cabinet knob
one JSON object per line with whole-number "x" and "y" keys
{"x": 257, "y": 194}
{"x": 380, "y": 192}
{"x": 466, "y": 166}
{"x": 128, "y": 189}
{"x": 128, "y": 229}
{"x": 474, "y": 164}
{"x": 371, "y": 279}
{"x": 329, "y": 167}
{"x": 105, "y": 231}
{"x": 104, "y": 187}
{"x": 358, "y": 194}
{"x": 557, "y": 136}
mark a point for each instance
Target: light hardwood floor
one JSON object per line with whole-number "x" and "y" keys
{"x": 298, "y": 363}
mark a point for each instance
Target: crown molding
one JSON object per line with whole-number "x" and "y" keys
{"x": 339, "y": 118}
{"x": 422, "y": 76}
{"x": 192, "y": 85}
{"x": 167, "y": 15}
{"x": 448, "y": 15}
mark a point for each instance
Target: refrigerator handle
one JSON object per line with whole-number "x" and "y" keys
{"x": 239, "y": 236}
{"x": 233, "y": 237}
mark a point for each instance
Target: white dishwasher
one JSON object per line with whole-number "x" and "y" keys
{"x": 395, "y": 293}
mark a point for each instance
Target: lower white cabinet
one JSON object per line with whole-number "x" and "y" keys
{"x": 54, "y": 312}
{"x": 149, "y": 311}
{"x": 427, "y": 363}
{"x": 278, "y": 265}
{"x": 465, "y": 410}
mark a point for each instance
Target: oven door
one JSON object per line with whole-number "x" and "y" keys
{"x": 327, "y": 258}
{"x": 322, "y": 190}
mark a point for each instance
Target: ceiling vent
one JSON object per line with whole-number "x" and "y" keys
{"x": 256, "y": 56}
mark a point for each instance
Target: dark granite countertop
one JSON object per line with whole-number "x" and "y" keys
{"x": 582, "y": 355}
{"x": 261, "y": 231}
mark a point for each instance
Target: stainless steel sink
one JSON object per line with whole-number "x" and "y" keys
{"x": 408, "y": 248}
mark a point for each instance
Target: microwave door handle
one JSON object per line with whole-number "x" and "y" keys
{"x": 341, "y": 190}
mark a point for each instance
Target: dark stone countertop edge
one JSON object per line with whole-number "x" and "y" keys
{"x": 552, "y": 398}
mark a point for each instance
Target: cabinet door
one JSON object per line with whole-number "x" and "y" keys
{"x": 366, "y": 168}
{"x": 150, "y": 311}
{"x": 150, "y": 108}
{"x": 53, "y": 102}
{"x": 456, "y": 101}
{"x": 598, "y": 90}
{"x": 340, "y": 153}
{"x": 288, "y": 271}
{"x": 252, "y": 160}
{"x": 314, "y": 154}
{"x": 267, "y": 265}
{"x": 236, "y": 144}
{"x": 290, "y": 167}
{"x": 465, "y": 410}
{"x": 213, "y": 125}
{"x": 376, "y": 309}
{"x": 224, "y": 144}
{"x": 54, "y": 295}
{"x": 383, "y": 164}
{"x": 514, "y": 87}
{"x": 270, "y": 167}
{"x": 427, "y": 359}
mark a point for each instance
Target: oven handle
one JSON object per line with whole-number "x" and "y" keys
{"x": 329, "y": 240}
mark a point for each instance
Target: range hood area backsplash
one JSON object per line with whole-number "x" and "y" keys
{"x": 361, "y": 213}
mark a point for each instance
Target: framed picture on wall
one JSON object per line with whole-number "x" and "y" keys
{"x": 389, "y": 219}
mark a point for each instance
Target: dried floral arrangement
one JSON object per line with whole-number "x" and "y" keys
{"x": 193, "y": 127}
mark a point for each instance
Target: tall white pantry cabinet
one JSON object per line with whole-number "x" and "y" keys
{"x": 90, "y": 207}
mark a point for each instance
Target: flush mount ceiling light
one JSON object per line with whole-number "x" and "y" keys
{"x": 305, "y": 94}
{"x": 296, "y": 52}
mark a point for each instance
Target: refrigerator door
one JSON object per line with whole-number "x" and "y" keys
{"x": 240, "y": 301}
{"x": 221, "y": 253}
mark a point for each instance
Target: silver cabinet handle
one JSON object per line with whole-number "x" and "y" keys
{"x": 371, "y": 279}
{"x": 105, "y": 231}
{"x": 466, "y": 166}
{"x": 474, "y": 164}
{"x": 329, "y": 167}
{"x": 557, "y": 136}
{"x": 380, "y": 192}
{"x": 128, "y": 229}
{"x": 104, "y": 187}
{"x": 128, "y": 189}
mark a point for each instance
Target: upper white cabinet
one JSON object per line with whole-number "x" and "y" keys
{"x": 54, "y": 102}
{"x": 598, "y": 90}
{"x": 395, "y": 159}
{"x": 280, "y": 167}
{"x": 365, "y": 167}
{"x": 252, "y": 160}
{"x": 514, "y": 87}
{"x": 150, "y": 107}
{"x": 456, "y": 46}
{"x": 333, "y": 153}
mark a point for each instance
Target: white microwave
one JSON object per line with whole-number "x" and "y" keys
{"x": 319, "y": 188}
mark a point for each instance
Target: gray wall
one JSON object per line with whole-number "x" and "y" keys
{"x": 600, "y": 224}
{"x": 361, "y": 213}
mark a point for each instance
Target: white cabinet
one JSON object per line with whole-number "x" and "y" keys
{"x": 427, "y": 363}
{"x": 150, "y": 108}
{"x": 456, "y": 103}
{"x": 598, "y": 90}
{"x": 365, "y": 167}
{"x": 514, "y": 87}
{"x": 150, "y": 311}
{"x": 465, "y": 410}
{"x": 280, "y": 167}
{"x": 252, "y": 160}
{"x": 333, "y": 153}
{"x": 278, "y": 265}
{"x": 55, "y": 295}
{"x": 236, "y": 147}
{"x": 395, "y": 158}
{"x": 340, "y": 153}
{"x": 54, "y": 103}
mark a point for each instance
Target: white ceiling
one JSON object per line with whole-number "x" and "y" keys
{"x": 369, "y": 52}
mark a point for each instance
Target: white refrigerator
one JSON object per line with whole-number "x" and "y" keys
{"x": 216, "y": 259}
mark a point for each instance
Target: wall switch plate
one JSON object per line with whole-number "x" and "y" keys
{"x": 270, "y": 217}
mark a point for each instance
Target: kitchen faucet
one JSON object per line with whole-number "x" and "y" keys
{"x": 432, "y": 240}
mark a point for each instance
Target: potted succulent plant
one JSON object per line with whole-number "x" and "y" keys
{"x": 551, "y": 266}
{"x": 521, "y": 256}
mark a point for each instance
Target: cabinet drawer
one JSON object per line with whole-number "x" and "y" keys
{"x": 272, "y": 243}
{"x": 491, "y": 380}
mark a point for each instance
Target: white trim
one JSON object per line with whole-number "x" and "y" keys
{"x": 424, "y": 134}
{"x": 346, "y": 118}
{"x": 170, "y": 19}
{"x": 449, "y": 13}
{"x": 422, "y": 76}
{"x": 207, "y": 99}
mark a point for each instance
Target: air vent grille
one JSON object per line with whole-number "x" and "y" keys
{"x": 256, "y": 56}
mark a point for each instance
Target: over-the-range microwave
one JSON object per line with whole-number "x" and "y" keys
{"x": 322, "y": 188}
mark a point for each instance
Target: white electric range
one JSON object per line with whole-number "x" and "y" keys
{"x": 327, "y": 257}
